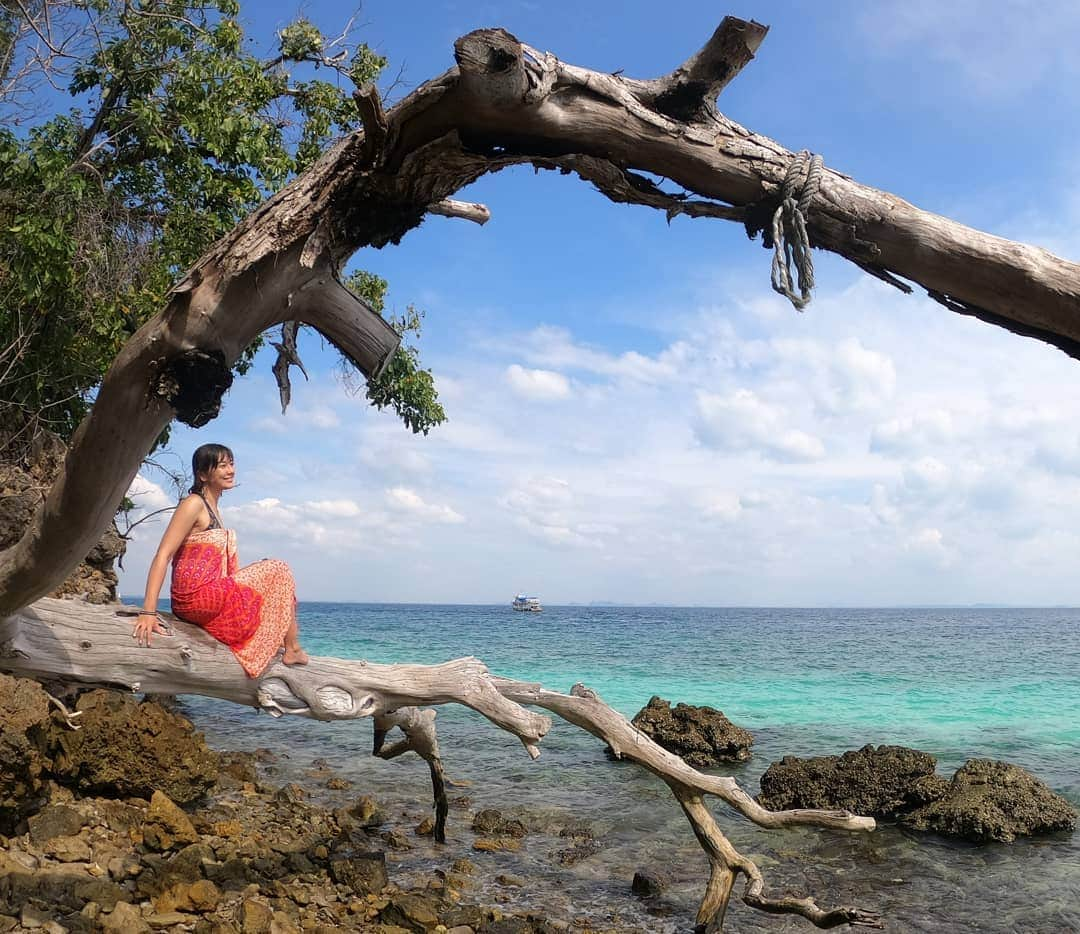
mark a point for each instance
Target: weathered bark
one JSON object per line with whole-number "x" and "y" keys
{"x": 93, "y": 645}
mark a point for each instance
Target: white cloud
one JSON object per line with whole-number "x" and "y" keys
{"x": 546, "y": 509}
{"x": 270, "y": 526}
{"x": 554, "y": 347}
{"x": 842, "y": 376}
{"x": 539, "y": 494}
{"x": 752, "y": 459}
{"x": 542, "y": 385}
{"x": 868, "y": 376}
{"x": 396, "y": 454}
{"x": 335, "y": 508}
{"x": 742, "y": 421}
{"x": 408, "y": 501}
{"x": 270, "y": 425}
{"x": 723, "y": 506}
{"x": 981, "y": 47}
{"x": 927, "y": 478}
{"x": 322, "y": 417}
{"x": 301, "y": 415}
{"x": 147, "y": 495}
{"x": 148, "y": 498}
{"x": 929, "y": 544}
{"x": 924, "y": 429}
{"x": 1059, "y": 454}
{"x": 881, "y": 506}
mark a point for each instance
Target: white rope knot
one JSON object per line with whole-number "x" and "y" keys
{"x": 791, "y": 243}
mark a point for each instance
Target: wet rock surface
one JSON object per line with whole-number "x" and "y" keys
{"x": 491, "y": 823}
{"x": 988, "y": 800}
{"x": 583, "y": 844}
{"x": 702, "y": 736}
{"x": 251, "y": 856}
{"x": 883, "y": 782}
{"x": 985, "y": 801}
{"x": 647, "y": 883}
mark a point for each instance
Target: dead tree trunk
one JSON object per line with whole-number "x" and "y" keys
{"x": 502, "y": 104}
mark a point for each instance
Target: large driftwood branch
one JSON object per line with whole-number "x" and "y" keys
{"x": 503, "y": 104}
{"x": 92, "y": 645}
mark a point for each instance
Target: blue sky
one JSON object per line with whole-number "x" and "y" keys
{"x": 634, "y": 415}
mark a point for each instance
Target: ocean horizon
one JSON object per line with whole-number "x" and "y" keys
{"x": 137, "y": 598}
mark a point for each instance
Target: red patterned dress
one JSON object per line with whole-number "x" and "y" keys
{"x": 249, "y": 608}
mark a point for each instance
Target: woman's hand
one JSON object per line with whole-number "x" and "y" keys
{"x": 145, "y": 624}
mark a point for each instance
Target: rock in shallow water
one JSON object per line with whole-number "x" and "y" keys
{"x": 985, "y": 800}
{"x": 491, "y": 823}
{"x": 882, "y": 782}
{"x": 702, "y": 736}
{"x": 988, "y": 800}
{"x": 647, "y": 883}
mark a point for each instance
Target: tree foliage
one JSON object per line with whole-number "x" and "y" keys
{"x": 170, "y": 132}
{"x": 404, "y": 385}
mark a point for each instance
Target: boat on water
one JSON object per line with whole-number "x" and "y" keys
{"x": 523, "y": 604}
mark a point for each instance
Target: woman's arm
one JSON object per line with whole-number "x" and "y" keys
{"x": 180, "y": 526}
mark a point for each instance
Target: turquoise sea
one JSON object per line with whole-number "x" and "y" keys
{"x": 958, "y": 683}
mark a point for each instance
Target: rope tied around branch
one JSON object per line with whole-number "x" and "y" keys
{"x": 791, "y": 243}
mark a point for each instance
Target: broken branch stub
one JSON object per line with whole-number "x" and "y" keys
{"x": 690, "y": 91}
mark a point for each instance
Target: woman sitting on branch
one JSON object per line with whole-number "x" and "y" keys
{"x": 251, "y": 609}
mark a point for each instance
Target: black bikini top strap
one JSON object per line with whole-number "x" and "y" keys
{"x": 215, "y": 523}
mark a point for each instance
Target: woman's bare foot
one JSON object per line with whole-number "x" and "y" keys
{"x": 294, "y": 655}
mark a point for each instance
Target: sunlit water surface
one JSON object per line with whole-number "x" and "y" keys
{"x": 957, "y": 683}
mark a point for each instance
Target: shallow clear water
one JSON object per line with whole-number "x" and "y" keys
{"x": 958, "y": 683}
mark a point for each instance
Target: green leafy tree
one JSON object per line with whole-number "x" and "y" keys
{"x": 404, "y": 385}
{"x": 174, "y": 133}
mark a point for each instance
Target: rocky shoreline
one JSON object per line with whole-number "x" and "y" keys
{"x": 985, "y": 801}
{"x": 132, "y": 824}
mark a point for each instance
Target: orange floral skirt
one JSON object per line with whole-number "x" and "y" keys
{"x": 249, "y": 609}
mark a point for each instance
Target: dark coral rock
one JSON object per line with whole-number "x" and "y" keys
{"x": 25, "y": 725}
{"x": 989, "y": 800}
{"x": 413, "y": 912}
{"x": 55, "y": 820}
{"x": 129, "y": 748}
{"x": 702, "y": 736}
{"x": 647, "y": 883}
{"x": 491, "y": 823}
{"x": 364, "y": 873}
{"x": 882, "y": 782}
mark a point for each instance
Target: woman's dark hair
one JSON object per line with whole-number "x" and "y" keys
{"x": 205, "y": 459}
